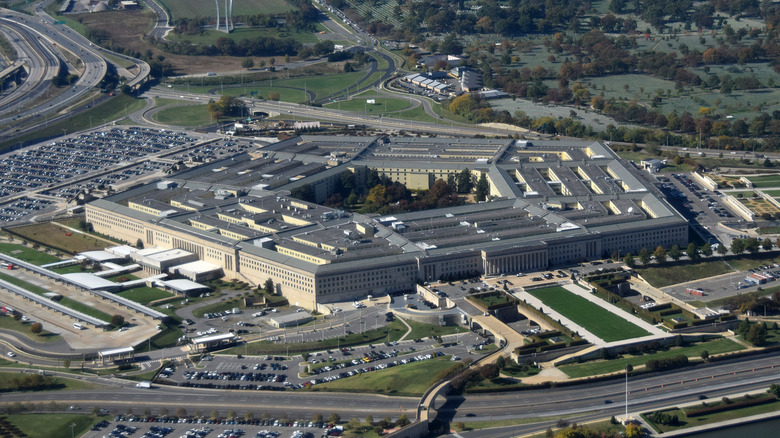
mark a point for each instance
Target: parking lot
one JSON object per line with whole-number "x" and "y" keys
{"x": 283, "y": 373}
{"x": 725, "y": 285}
{"x": 142, "y": 426}
{"x": 41, "y": 172}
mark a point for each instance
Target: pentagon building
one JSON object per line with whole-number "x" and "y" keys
{"x": 551, "y": 204}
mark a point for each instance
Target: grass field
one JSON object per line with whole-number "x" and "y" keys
{"x": 26, "y": 254}
{"x": 660, "y": 276}
{"x": 383, "y": 105}
{"x": 205, "y": 8}
{"x": 51, "y": 425}
{"x": 595, "y": 319}
{"x": 6, "y": 378}
{"x": 145, "y": 295}
{"x": 54, "y": 236}
{"x": 12, "y": 324}
{"x": 411, "y": 379}
{"x": 765, "y": 181}
{"x": 185, "y": 115}
{"x": 292, "y": 95}
{"x": 703, "y": 420}
{"x": 83, "y": 308}
{"x": 596, "y": 368}
{"x": 211, "y": 36}
{"x": 420, "y": 330}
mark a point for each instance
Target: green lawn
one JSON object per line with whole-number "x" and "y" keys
{"x": 291, "y": 95}
{"x": 665, "y": 275}
{"x": 591, "y": 317}
{"x": 702, "y": 420}
{"x": 12, "y": 324}
{"x": 55, "y": 236}
{"x": 411, "y": 379}
{"x": 83, "y": 308}
{"x": 595, "y": 368}
{"x": 7, "y": 377}
{"x": 145, "y": 295}
{"x": 420, "y": 330}
{"x": 383, "y": 105}
{"x": 185, "y": 115}
{"x": 765, "y": 181}
{"x": 52, "y": 425}
{"x": 26, "y": 254}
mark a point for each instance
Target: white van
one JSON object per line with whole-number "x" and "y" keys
{"x": 78, "y": 325}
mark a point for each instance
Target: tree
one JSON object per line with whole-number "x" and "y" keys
{"x": 66, "y": 363}
{"x": 629, "y": 260}
{"x": 675, "y": 253}
{"x": 737, "y": 246}
{"x": 767, "y": 244}
{"x": 751, "y": 245}
{"x": 369, "y": 420}
{"x": 692, "y": 252}
{"x": 334, "y": 418}
{"x": 706, "y": 250}
{"x": 139, "y": 244}
{"x": 117, "y": 320}
{"x": 36, "y": 328}
{"x": 483, "y": 187}
{"x": 268, "y": 286}
{"x": 633, "y": 431}
{"x": 660, "y": 254}
{"x": 464, "y": 181}
{"x": 722, "y": 250}
{"x": 644, "y": 256}
{"x": 757, "y": 334}
{"x": 402, "y": 421}
{"x": 705, "y": 355}
{"x": 354, "y": 424}
{"x": 247, "y": 63}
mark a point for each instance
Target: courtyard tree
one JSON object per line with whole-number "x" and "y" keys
{"x": 483, "y": 187}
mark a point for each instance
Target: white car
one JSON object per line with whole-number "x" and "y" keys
{"x": 11, "y": 354}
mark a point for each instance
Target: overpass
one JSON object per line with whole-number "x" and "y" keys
{"x": 12, "y": 70}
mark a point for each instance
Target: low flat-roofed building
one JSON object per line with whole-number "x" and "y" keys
{"x": 102, "y": 256}
{"x": 206, "y": 343}
{"x": 116, "y": 355}
{"x": 198, "y": 271}
{"x": 184, "y": 287}
{"x": 91, "y": 281}
{"x": 157, "y": 260}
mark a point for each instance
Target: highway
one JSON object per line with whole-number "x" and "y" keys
{"x": 585, "y": 401}
{"x": 292, "y": 110}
